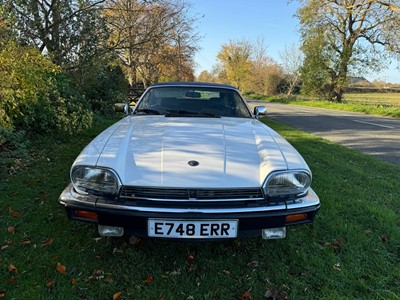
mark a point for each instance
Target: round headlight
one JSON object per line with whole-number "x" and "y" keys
{"x": 287, "y": 183}
{"x": 97, "y": 180}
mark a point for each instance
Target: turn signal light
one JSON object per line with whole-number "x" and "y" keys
{"x": 296, "y": 218}
{"x": 86, "y": 214}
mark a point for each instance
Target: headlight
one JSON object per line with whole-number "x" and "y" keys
{"x": 287, "y": 183}
{"x": 100, "y": 181}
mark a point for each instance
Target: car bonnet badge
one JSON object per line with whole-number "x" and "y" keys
{"x": 193, "y": 163}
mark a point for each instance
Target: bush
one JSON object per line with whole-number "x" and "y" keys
{"x": 102, "y": 84}
{"x": 35, "y": 96}
{"x": 13, "y": 148}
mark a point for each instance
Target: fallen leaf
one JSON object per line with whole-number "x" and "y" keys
{"x": 336, "y": 267}
{"x": 384, "y": 238}
{"x": 116, "y": 250}
{"x": 336, "y": 244}
{"x": 149, "y": 279}
{"x": 226, "y": 272}
{"x": 2, "y": 294}
{"x": 61, "y": 268}
{"x": 253, "y": 264}
{"x": 246, "y": 295}
{"x": 74, "y": 281}
{"x": 11, "y": 280}
{"x": 15, "y": 214}
{"x": 47, "y": 242}
{"x": 50, "y": 283}
{"x": 275, "y": 295}
{"x": 190, "y": 259}
{"x": 117, "y": 295}
{"x": 108, "y": 280}
{"x": 26, "y": 242}
{"x": 11, "y": 229}
{"x": 12, "y": 268}
{"x": 133, "y": 240}
{"x": 97, "y": 275}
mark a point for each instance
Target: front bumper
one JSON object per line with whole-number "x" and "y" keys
{"x": 134, "y": 219}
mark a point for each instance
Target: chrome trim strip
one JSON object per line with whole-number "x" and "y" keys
{"x": 192, "y": 210}
{"x": 193, "y": 200}
{"x": 69, "y": 197}
{"x": 199, "y": 194}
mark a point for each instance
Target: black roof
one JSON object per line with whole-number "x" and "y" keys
{"x": 193, "y": 84}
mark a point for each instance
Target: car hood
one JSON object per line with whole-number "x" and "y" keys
{"x": 156, "y": 151}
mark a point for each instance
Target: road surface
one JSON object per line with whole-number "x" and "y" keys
{"x": 376, "y": 136}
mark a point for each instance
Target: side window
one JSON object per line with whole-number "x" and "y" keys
{"x": 241, "y": 108}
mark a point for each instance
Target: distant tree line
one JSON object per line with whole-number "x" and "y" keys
{"x": 338, "y": 38}
{"x": 247, "y": 66}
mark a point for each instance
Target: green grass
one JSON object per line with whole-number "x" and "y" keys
{"x": 352, "y": 250}
{"x": 374, "y": 104}
{"x": 375, "y": 99}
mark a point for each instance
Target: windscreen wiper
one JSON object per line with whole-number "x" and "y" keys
{"x": 147, "y": 111}
{"x": 186, "y": 113}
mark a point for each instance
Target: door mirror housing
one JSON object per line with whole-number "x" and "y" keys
{"x": 122, "y": 107}
{"x": 260, "y": 111}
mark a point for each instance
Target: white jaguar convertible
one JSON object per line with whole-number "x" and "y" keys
{"x": 190, "y": 161}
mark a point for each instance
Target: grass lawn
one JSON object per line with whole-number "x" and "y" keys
{"x": 384, "y": 99}
{"x": 352, "y": 250}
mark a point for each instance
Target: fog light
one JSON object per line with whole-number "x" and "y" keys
{"x": 274, "y": 233}
{"x": 110, "y": 230}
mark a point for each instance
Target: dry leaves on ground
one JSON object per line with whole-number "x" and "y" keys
{"x": 61, "y": 268}
{"x": 149, "y": 279}
{"x": 246, "y": 295}
{"x": 274, "y": 294}
{"x": 11, "y": 229}
{"x": 117, "y": 295}
{"x": 12, "y": 268}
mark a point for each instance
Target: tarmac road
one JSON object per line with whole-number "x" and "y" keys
{"x": 376, "y": 136}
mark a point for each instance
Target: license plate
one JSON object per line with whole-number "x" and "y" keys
{"x": 199, "y": 229}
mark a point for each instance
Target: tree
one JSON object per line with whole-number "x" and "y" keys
{"x": 265, "y": 75}
{"x": 235, "y": 59}
{"x": 339, "y": 35}
{"x": 248, "y": 67}
{"x": 206, "y": 76}
{"x": 292, "y": 61}
{"x": 62, "y": 29}
{"x": 35, "y": 96}
{"x": 149, "y": 35}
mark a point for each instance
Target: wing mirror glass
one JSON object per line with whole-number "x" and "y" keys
{"x": 122, "y": 107}
{"x": 260, "y": 111}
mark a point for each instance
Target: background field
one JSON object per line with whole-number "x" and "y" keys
{"x": 352, "y": 250}
{"x": 381, "y": 104}
{"x": 375, "y": 99}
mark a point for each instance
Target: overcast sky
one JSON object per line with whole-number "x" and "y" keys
{"x": 273, "y": 20}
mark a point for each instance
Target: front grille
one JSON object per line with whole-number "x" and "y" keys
{"x": 182, "y": 194}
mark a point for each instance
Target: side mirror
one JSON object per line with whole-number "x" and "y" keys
{"x": 260, "y": 111}
{"x": 122, "y": 107}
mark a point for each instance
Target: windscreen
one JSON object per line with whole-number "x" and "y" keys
{"x": 193, "y": 102}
